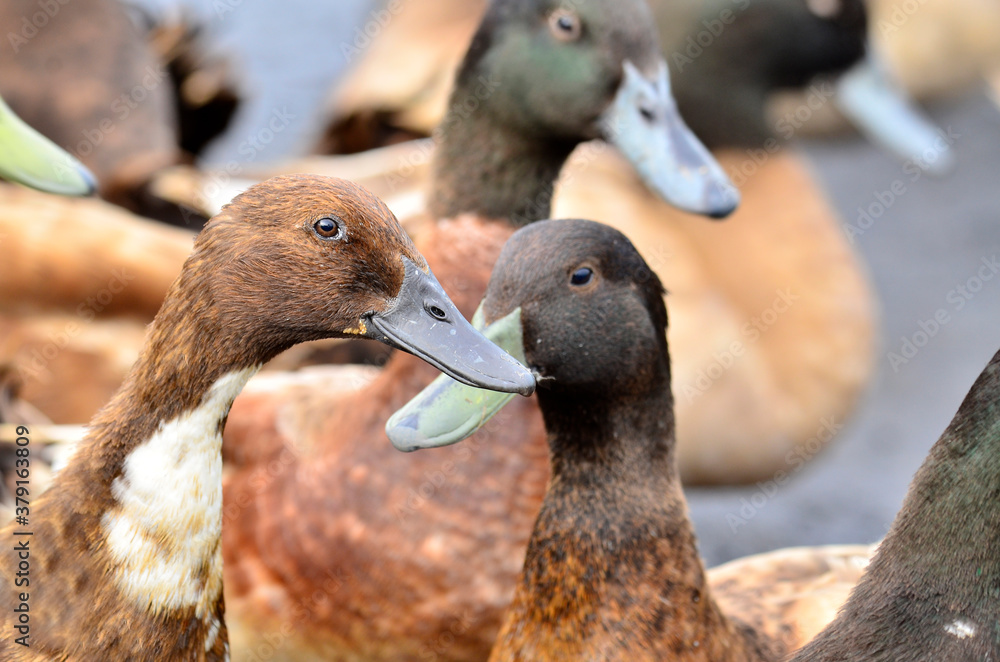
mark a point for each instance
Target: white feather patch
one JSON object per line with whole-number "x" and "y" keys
{"x": 961, "y": 629}
{"x": 166, "y": 536}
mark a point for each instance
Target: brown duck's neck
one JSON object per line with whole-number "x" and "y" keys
{"x": 194, "y": 352}
{"x": 613, "y": 557}
{"x": 484, "y": 166}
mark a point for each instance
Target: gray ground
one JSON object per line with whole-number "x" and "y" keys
{"x": 931, "y": 240}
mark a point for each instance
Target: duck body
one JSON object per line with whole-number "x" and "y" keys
{"x": 611, "y": 569}
{"x": 126, "y": 544}
{"x": 932, "y": 592}
{"x": 498, "y": 163}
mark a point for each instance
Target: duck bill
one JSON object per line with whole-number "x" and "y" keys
{"x": 885, "y": 113}
{"x": 447, "y": 412}
{"x": 423, "y": 321}
{"x": 644, "y": 123}
{"x": 29, "y": 158}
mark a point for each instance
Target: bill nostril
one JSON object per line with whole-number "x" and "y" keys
{"x": 436, "y": 312}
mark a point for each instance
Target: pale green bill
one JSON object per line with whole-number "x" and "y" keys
{"x": 29, "y": 158}
{"x": 447, "y": 411}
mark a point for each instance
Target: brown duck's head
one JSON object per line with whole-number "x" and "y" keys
{"x": 592, "y": 312}
{"x": 575, "y": 302}
{"x": 303, "y": 257}
{"x": 560, "y": 72}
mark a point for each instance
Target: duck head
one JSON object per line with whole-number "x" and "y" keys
{"x": 768, "y": 45}
{"x": 29, "y": 158}
{"x": 574, "y": 301}
{"x": 333, "y": 261}
{"x": 557, "y": 73}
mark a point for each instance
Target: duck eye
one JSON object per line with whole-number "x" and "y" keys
{"x": 564, "y": 24}
{"x": 582, "y": 276}
{"x": 328, "y": 228}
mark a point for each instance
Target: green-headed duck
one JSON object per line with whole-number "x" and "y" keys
{"x": 121, "y": 559}
{"x": 932, "y": 591}
{"x": 540, "y": 77}
{"x": 612, "y": 570}
{"x": 795, "y": 343}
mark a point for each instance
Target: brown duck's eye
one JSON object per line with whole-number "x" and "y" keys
{"x": 564, "y": 24}
{"x": 329, "y": 228}
{"x": 582, "y": 276}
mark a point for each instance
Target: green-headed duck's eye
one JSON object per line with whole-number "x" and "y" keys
{"x": 329, "y": 228}
{"x": 565, "y": 25}
{"x": 582, "y": 276}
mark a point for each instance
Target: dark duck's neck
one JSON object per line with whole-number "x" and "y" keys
{"x": 613, "y": 556}
{"x": 491, "y": 159}
{"x": 933, "y": 590}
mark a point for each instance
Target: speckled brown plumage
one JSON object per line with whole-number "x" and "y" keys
{"x": 612, "y": 570}
{"x": 220, "y": 317}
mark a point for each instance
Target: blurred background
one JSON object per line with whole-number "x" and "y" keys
{"x": 178, "y": 104}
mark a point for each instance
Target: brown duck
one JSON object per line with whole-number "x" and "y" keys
{"x": 612, "y": 570}
{"x": 121, "y": 559}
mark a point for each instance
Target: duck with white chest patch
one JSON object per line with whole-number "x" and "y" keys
{"x": 125, "y": 552}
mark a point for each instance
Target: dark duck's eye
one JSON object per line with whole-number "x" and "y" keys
{"x": 565, "y": 25}
{"x": 328, "y": 228}
{"x": 582, "y": 276}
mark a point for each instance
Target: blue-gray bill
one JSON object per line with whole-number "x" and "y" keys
{"x": 644, "y": 124}
{"x": 423, "y": 321}
{"x": 885, "y": 113}
{"x": 447, "y": 412}
{"x": 29, "y": 158}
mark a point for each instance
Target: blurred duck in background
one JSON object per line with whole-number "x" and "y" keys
{"x": 27, "y": 157}
{"x": 83, "y": 74}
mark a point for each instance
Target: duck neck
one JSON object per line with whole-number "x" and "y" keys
{"x": 485, "y": 166}
{"x": 614, "y": 526}
{"x": 937, "y": 572}
{"x": 156, "y": 452}
{"x": 610, "y": 443}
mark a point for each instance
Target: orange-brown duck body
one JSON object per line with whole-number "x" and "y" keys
{"x": 612, "y": 569}
{"x": 124, "y": 556}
